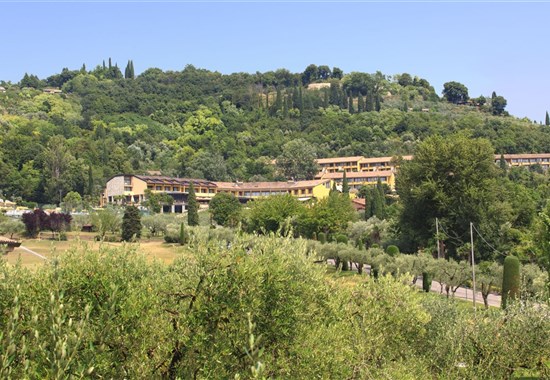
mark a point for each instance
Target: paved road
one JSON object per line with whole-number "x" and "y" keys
{"x": 462, "y": 292}
{"x": 465, "y": 294}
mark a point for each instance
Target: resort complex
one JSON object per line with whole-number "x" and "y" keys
{"x": 359, "y": 171}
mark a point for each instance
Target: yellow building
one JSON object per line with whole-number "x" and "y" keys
{"x": 303, "y": 190}
{"x": 542, "y": 159}
{"x": 358, "y": 179}
{"x": 130, "y": 189}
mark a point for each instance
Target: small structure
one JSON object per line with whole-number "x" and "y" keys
{"x": 2, "y": 89}
{"x": 87, "y": 228}
{"x": 52, "y": 91}
{"x": 9, "y": 244}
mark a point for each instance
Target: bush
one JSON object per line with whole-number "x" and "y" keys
{"x": 322, "y": 237}
{"x": 131, "y": 224}
{"x": 511, "y": 280}
{"x": 392, "y": 250}
{"x": 341, "y": 238}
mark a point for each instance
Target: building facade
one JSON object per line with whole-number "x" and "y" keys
{"x": 131, "y": 190}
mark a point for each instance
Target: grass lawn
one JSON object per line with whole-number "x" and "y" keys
{"x": 154, "y": 248}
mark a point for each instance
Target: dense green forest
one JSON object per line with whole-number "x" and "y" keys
{"x": 199, "y": 123}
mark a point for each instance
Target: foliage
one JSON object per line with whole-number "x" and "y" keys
{"x": 131, "y": 224}
{"x": 108, "y": 220}
{"x": 392, "y": 250}
{"x": 297, "y": 160}
{"x": 154, "y": 201}
{"x": 510, "y": 280}
{"x": 455, "y": 92}
{"x": 454, "y": 180}
{"x": 192, "y": 207}
{"x": 225, "y": 209}
{"x": 273, "y": 213}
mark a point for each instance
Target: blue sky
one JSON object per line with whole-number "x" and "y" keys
{"x": 500, "y": 47}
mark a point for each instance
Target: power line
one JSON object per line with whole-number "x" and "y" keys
{"x": 486, "y": 242}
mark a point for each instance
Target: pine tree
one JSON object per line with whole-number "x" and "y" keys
{"x": 131, "y": 224}
{"x": 345, "y": 185}
{"x": 547, "y": 120}
{"x": 192, "y": 207}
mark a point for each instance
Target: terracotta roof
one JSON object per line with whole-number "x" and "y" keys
{"x": 338, "y": 159}
{"x": 381, "y": 159}
{"x": 340, "y": 175}
{"x": 5, "y": 240}
{"x": 269, "y": 185}
{"x": 526, "y": 155}
{"x": 174, "y": 181}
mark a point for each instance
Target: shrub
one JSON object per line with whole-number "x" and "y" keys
{"x": 341, "y": 238}
{"x": 426, "y": 282}
{"x": 392, "y": 250}
{"x": 131, "y": 224}
{"x": 511, "y": 280}
{"x": 322, "y": 237}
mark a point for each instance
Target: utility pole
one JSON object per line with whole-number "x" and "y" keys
{"x": 437, "y": 236}
{"x": 473, "y": 264}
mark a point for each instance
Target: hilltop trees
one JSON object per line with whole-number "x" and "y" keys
{"x": 455, "y": 92}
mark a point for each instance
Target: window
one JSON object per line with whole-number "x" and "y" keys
{"x": 175, "y": 188}
{"x": 255, "y": 193}
{"x": 247, "y": 193}
{"x": 127, "y": 188}
{"x": 158, "y": 188}
{"x": 211, "y": 191}
{"x": 127, "y": 181}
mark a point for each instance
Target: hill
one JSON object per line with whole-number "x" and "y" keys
{"x": 199, "y": 123}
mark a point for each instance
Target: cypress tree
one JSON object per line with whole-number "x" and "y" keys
{"x": 369, "y": 102}
{"x": 350, "y": 104}
{"x": 90, "y": 181}
{"x": 502, "y": 164}
{"x": 182, "y": 234}
{"x": 510, "y": 280}
{"x": 278, "y": 103}
{"x": 334, "y": 97}
{"x": 192, "y": 207}
{"x": 104, "y": 65}
{"x": 300, "y": 101}
{"x": 360, "y": 103}
{"x": 110, "y": 65}
{"x": 377, "y": 104}
{"x": 325, "y": 98}
{"x": 285, "y": 107}
{"x": 295, "y": 98}
{"x": 547, "y": 120}
{"x": 344, "y": 101}
{"x": 131, "y": 224}
{"x": 345, "y": 185}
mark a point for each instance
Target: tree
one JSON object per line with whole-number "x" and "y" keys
{"x": 107, "y": 220}
{"x": 270, "y": 214}
{"x": 192, "y": 207}
{"x": 225, "y": 209}
{"x": 337, "y": 73}
{"x": 345, "y": 185}
{"x": 129, "y": 71}
{"x": 131, "y": 224}
{"x": 310, "y": 74}
{"x": 489, "y": 275}
{"x": 59, "y": 222}
{"x": 35, "y": 221}
{"x": 298, "y": 160}
{"x": 547, "y": 119}
{"x": 498, "y": 104}
{"x": 72, "y": 201}
{"x": 405, "y": 79}
{"x": 453, "y": 179}
{"x": 511, "y": 280}
{"x": 154, "y": 201}
{"x": 323, "y": 72}
{"x": 455, "y": 92}
{"x": 57, "y": 163}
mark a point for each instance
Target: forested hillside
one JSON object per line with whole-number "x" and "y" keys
{"x": 199, "y": 123}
